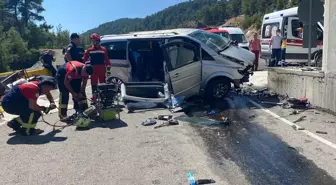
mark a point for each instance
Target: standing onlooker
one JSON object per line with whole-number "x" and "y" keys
{"x": 255, "y": 47}
{"x": 73, "y": 51}
{"x": 47, "y": 59}
{"x": 275, "y": 44}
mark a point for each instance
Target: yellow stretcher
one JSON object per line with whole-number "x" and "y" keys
{"x": 10, "y": 77}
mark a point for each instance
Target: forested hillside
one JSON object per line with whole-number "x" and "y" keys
{"x": 20, "y": 36}
{"x": 198, "y": 13}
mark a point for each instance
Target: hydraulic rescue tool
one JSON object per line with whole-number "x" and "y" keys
{"x": 105, "y": 106}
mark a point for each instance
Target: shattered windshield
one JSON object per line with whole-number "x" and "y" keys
{"x": 214, "y": 41}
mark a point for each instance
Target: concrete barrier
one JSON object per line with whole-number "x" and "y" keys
{"x": 317, "y": 86}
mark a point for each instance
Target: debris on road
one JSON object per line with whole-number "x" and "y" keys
{"x": 330, "y": 121}
{"x": 300, "y": 119}
{"x": 191, "y": 179}
{"x": 321, "y": 132}
{"x": 212, "y": 112}
{"x": 168, "y": 123}
{"x": 205, "y": 181}
{"x": 272, "y": 103}
{"x": 164, "y": 117}
{"x": 294, "y": 112}
{"x": 296, "y": 127}
{"x": 226, "y": 121}
{"x": 149, "y": 122}
{"x": 253, "y": 116}
{"x": 291, "y": 148}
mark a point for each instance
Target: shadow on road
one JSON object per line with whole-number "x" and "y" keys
{"x": 35, "y": 140}
{"x": 115, "y": 124}
{"x": 262, "y": 156}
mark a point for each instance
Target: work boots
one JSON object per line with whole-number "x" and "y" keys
{"x": 13, "y": 124}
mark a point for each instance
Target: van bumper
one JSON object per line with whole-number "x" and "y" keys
{"x": 247, "y": 72}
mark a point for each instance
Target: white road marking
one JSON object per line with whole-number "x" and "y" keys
{"x": 322, "y": 140}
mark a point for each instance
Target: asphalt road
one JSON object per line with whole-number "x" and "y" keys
{"x": 255, "y": 148}
{"x": 252, "y": 149}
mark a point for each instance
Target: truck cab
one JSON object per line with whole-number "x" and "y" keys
{"x": 236, "y": 34}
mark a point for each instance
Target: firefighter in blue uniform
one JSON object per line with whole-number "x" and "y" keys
{"x": 74, "y": 52}
{"x": 21, "y": 100}
{"x": 72, "y": 78}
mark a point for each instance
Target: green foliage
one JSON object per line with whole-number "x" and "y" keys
{"x": 197, "y": 13}
{"x": 20, "y": 36}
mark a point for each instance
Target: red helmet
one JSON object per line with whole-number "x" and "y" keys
{"x": 95, "y": 36}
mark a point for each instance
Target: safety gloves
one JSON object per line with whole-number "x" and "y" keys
{"x": 108, "y": 71}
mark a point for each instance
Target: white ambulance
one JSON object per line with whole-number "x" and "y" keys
{"x": 292, "y": 28}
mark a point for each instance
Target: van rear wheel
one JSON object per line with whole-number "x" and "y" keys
{"x": 217, "y": 89}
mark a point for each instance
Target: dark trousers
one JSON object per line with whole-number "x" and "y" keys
{"x": 275, "y": 58}
{"x": 15, "y": 103}
{"x": 256, "y": 61}
{"x": 51, "y": 68}
{"x": 79, "y": 106}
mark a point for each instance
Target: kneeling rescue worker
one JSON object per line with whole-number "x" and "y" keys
{"x": 72, "y": 77}
{"x": 22, "y": 100}
{"x": 100, "y": 61}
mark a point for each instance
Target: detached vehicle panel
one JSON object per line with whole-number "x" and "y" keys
{"x": 187, "y": 62}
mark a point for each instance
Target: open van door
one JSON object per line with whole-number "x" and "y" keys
{"x": 183, "y": 67}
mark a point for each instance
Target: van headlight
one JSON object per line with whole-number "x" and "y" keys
{"x": 233, "y": 60}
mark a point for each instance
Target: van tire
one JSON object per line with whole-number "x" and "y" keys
{"x": 222, "y": 85}
{"x": 115, "y": 80}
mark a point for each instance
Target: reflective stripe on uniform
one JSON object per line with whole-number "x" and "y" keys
{"x": 28, "y": 125}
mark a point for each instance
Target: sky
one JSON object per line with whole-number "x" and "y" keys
{"x": 81, "y": 15}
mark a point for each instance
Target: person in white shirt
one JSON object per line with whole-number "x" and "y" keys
{"x": 275, "y": 44}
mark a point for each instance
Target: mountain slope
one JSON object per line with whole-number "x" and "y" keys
{"x": 180, "y": 15}
{"x": 197, "y": 13}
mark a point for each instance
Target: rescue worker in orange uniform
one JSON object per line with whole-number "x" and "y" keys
{"x": 97, "y": 56}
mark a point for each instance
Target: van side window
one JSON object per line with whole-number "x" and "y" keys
{"x": 206, "y": 56}
{"x": 116, "y": 50}
{"x": 296, "y": 24}
{"x": 268, "y": 29}
{"x": 180, "y": 56}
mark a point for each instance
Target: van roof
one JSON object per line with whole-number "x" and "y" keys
{"x": 232, "y": 30}
{"x": 151, "y": 34}
{"x": 282, "y": 13}
{"x": 215, "y": 30}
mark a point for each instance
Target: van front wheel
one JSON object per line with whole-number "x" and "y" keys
{"x": 217, "y": 89}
